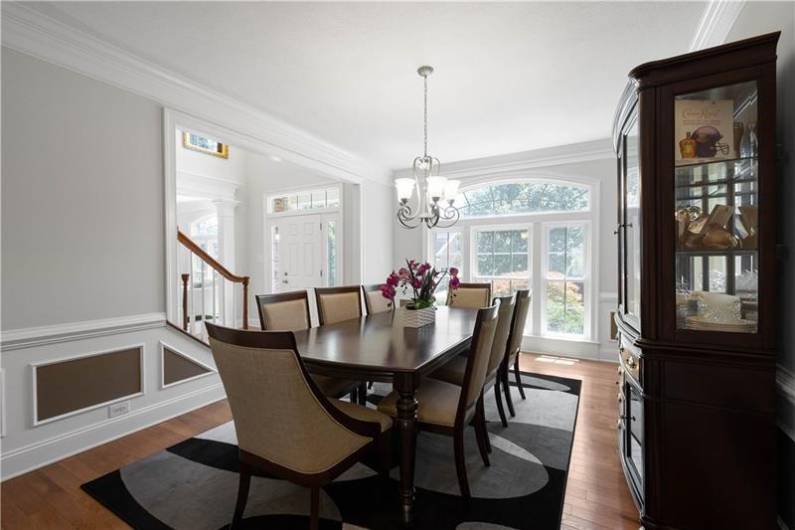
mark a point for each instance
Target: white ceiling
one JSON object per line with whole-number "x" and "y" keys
{"x": 509, "y": 77}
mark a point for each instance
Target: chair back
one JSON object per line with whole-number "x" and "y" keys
{"x": 374, "y": 301}
{"x": 519, "y": 320}
{"x": 504, "y": 321}
{"x": 471, "y": 295}
{"x": 335, "y": 304}
{"x": 279, "y": 414}
{"x": 477, "y": 361}
{"x": 284, "y": 311}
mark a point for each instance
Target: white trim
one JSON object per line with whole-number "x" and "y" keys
{"x": 606, "y": 297}
{"x": 17, "y": 339}
{"x": 210, "y": 188}
{"x": 163, "y": 346}
{"x": 517, "y": 164}
{"x": 716, "y": 21}
{"x": 41, "y": 453}
{"x": 34, "y": 366}
{"x": 2, "y": 403}
{"x": 29, "y": 30}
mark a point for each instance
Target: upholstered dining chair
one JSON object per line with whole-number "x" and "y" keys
{"x": 514, "y": 345}
{"x": 455, "y": 370}
{"x": 290, "y": 312}
{"x": 446, "y": 408}
{"x": 374, "y": 301}
{"x": 335, "y": 304}
{"x": 285, "y": 426}
{"x": 471, "y": 295}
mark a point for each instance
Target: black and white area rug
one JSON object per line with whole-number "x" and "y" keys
{"x": 193, "y": 484}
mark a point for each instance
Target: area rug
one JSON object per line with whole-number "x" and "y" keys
{"x": 193, "y": 485}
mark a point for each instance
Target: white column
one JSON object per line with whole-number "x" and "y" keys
{"x": 225, "y": 210}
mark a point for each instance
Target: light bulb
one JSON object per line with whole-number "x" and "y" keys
{"x": 436, "y": 187}
{"x": 405, "y": 187}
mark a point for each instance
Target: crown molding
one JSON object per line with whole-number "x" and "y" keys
{"x": 716, "y": 21}
{"x": 30, "y": 31}
{"x": 514, "y": 164}
{"x": 22, "y": 338}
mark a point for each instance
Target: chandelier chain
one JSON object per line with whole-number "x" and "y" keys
{"x": 425, "y": 114}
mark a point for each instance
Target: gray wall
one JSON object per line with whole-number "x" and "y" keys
{"x": 757, "y": 18}
{"x": 82, "y": 198}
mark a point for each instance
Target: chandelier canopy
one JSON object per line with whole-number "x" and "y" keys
{"x": 435, "y": 194}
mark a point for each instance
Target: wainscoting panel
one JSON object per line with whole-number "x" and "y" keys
{"x": 177, "y": 367}
{"x": 77, "y": 384}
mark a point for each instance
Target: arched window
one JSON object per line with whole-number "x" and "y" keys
{"x": 518, "y": 198}
{"x": 527, "y": 234}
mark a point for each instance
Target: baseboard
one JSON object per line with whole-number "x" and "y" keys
{"x": 17, "y": 339}
{"x": 44, "y": 452}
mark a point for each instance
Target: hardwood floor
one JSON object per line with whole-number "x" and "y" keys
{"x": 596, "y": 495}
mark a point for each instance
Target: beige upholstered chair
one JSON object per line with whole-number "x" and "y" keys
{"x": 455, "y": 370}
{"x": 514, "y": 345}
{"x": 446, "y": 408}
{"x": 290, "y": 312}
{"x": 285, "y": 426}
{"x": 335, "y": 304}
{"x": 374, "y": 301}
{"x": 471, "y": 295}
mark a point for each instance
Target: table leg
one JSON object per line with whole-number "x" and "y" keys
{"x": 407, "y": 429}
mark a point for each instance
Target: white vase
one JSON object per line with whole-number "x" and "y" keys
{"x": 416, "y": 318}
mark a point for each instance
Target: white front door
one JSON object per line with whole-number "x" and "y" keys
{"x": 300, "y": 253}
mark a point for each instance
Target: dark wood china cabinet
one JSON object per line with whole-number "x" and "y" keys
{"x": 695, "y": 139}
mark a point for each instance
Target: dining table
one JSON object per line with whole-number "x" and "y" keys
{"x": 379, "y": 347}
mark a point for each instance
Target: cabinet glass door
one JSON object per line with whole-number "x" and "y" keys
{"x": 716, "y": 209}
{"x": 632, "y": 226}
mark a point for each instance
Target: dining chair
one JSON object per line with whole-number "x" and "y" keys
{"x": 335, "y": 304}
{"x": 285, "y": 426}
{"x": 514, "y": 345}
{"x": 290, "y": 312}
{"x": 471, "y": 295}
{"x": 455, "y": 370}
{"x": 374, "y": 301}
{"x": 445, "y": 408}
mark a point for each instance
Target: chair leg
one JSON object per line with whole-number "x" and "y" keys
{"x": 518, "y": 377}
{"x": 498, "y": 398}
{"x": 362, "y": 392}
{"x": 460, "y": 463}
{"x": 242, "y": 495}
{"x": 506, "y": 387}
{"x": 314, "y": 513}
{"x": 352, "y": 396}
{"x": 481, "y": 434}
{"x": 384, "y": 448}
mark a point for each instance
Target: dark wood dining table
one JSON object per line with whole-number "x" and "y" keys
{"x": 379, "y": 348}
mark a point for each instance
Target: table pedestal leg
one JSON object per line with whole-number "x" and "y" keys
{"x": 407, "y": 429}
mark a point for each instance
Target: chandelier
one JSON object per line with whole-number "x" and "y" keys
{"x": 435, "y": 194}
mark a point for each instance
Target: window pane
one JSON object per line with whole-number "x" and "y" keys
{"x": 575, "y": 251}
{"x": 304, "y": 201}
{"x": 332, "y": 198}
{"x": 521, "y": 198}
{"x": 565, "y": 308}
{"x": 318, "y": 199}
{"x": 485, "y": 265}
{"x": 331, "y": 253}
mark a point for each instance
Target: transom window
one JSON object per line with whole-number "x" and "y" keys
{"x": 319, "y": 199}
{"x": 514, "y": 198}
{"x": 528, "y": 234}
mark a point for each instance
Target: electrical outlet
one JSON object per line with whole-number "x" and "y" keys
{"x": 118, "y": 409}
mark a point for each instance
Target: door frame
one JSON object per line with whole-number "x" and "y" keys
{"x": 325, "y": 214}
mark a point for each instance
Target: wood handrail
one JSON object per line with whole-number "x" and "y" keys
{"x": 191, "y": 245}
{"x": 209, "y": 260}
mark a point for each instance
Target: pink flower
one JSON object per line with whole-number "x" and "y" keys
{"x": 423, "y": 268}
{"x": 403, "y": 273}
{"x": 454, "y": 282}
{"x": 387, "y": 291}
{"x": 392, "y": 280}
{"x": 453, "y": 271}
{"x": 417, "y": 283}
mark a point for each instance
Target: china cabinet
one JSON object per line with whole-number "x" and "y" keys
{"x": 695, "y": 143}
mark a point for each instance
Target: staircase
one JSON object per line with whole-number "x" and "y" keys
{"x": 210, "y": 292}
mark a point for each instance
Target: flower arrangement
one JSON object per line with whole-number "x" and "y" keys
{"x": 422, "y": 278}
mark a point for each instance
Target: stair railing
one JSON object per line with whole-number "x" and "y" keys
{"x": 205, "y": 260}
